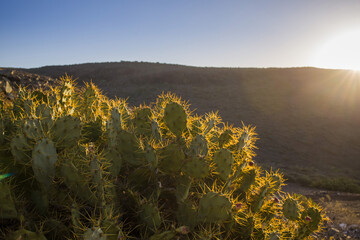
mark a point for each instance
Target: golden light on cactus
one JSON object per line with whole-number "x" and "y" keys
{"x": 127, "y": 169}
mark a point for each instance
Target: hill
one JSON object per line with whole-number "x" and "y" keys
{"x": 307, "y": 119}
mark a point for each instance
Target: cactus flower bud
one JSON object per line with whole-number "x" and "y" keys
{"x": 251, "y": 163}
{"x": 183, "y": 230}
{"x": 238, "y": 205}
{"x": 308, "y": 219}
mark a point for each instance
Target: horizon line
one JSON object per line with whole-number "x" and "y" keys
{"x": 175, "y": 64}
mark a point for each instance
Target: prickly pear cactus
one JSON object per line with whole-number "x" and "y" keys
{"x": 7, "y": 206}
{"x": 291, "y": 209}
{"x": 87, "y": 167}
{"x": 199, "y": 146}
{"x": 214, "y": 208}
{"x": 150, "y": 215}
{"x": 224, "y": 160}
{"x": 44, "y": 158}
{"x": 175, "y": 118}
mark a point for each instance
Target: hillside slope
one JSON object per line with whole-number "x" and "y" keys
{"x": 308, "y": 119}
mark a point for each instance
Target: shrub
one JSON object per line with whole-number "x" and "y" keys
{"x": 88, "y": 167}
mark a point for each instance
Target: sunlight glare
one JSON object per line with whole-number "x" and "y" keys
{"x": 341, "y": 52}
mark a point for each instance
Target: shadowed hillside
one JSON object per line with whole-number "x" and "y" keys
{"x": 308, "y": 119}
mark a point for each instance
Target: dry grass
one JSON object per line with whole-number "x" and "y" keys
{"x": 343, "y": 211}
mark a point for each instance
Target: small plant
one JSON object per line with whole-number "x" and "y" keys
{"x": 87, "y": 167}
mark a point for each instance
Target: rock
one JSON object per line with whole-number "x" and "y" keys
{"x": 343, "y": 226}
{"x": 8, "y": 88}
{"x": 12, "y": 78}
{"x": 353, "y": 227}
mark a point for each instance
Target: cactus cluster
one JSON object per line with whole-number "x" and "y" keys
{"x": 87, "y": 167}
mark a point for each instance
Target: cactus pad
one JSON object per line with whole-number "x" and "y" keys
{"x": 183, "y": 185}
{"x": 150, "y": 215}
{"x": 66, "y": 131}
{"x": 32, "y": 129}
{"x": 7, "y": 206}
{"x": 142, "y": 121}
{"x": 129, "y": 148}
{"x": 291, "y": 209}
{"x": 225, "y": 138}
{"x": 214, "y": 207}
{"x": 175, "y": 118}
{"x": 199, "y": 146}
{"x": 196, "y": 167}
{"x": 44, "y": 159}
{"x": 224, "y": 160}
{"x": 20, "y": 148}
{"x": 172, "y": 158}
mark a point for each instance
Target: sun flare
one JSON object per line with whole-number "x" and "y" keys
{"x": 340, "y": 52}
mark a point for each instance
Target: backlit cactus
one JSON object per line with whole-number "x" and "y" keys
{"x": 87, "y": 167}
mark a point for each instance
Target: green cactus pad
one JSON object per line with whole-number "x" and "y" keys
{"x": 291, "y": 209}
{"x": 66, "y": 131}
{"x": 248, "y": 179}
{"x": 225, "y": 138}
{"x": 155, "y": 130}
{"x": 172, "y": 158}
{"x": 115, "y": 162}
{"x": 25, "y": 234}
{"x": 150, "y": 215}
{"x": 77, "y": 183}
{"x": 224, "y": 160}
{"x": 315, "y": 218}
{"x": 186, "y": 214}
{"x": 142, "y": 121}
{"x": 199, "y": 146}
{"x": 151, "y": 157}
{"x": 20, "y": 148}
{"x": 214, "y": 208}
{"x": 32, "y": 129}
{"x": 43, "y": 112}
{"x": 175, "y": 118}
{"x": 7, "y": 206}
{"x": 44, "y": 159}
{"x": 196, "y": 167}
{"x": 183, "y": 185}
{"x": 129, "y": 148}
{"x": 259, "y": 199}
{"x": 243, "y": 140}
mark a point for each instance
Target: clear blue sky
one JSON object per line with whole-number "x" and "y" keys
{"x": 191, "y": 32}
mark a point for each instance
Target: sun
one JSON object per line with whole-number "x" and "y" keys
{"x": 340, "y": 52}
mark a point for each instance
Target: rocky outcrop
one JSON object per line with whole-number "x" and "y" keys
{"x": 11, "y": 79}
